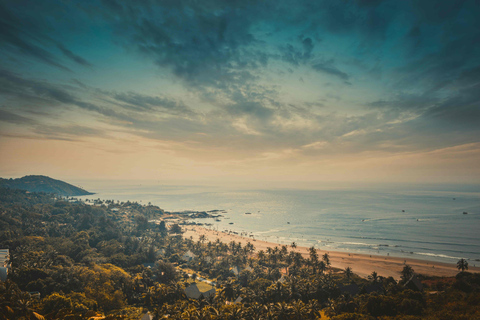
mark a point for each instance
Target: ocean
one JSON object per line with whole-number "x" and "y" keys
{"x": 423, "y": 222}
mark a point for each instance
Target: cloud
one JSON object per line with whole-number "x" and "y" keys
{"x": 460, "y": 111}
{"x": 205, "y": 44}
{"x": 47, "y": 95}
{"x": 145, "y": 103}
{"x": 437, "y": 11}
{"x": 12, "y": 38}
{"x": 10, "y": 117}
{"x": 67, "y": 132}
{"x": 72, "y": 56}
{"x": 328, "y": 68}
{"x": 294, "y": 56}
{"x": 25, "y": 36}
{"x": 233, "y": 56}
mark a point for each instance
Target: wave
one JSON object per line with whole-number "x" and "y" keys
{"x": 418, "y": 241}
{"x": 438, "y": 255}
{"x": 357, "y": 243}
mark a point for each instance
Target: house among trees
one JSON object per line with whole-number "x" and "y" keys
{"x": 4, "y": 264}
{"x": 414, "y": 284}
{"x": 147, "y": 316}
{"x": 193, "y": 292}
{"x": 282, "y": 279}
{"x": 236, "y": 270}
{"x": 188, "y": 256}
{"x": 238, "y": 300}
{"x": 4, "y": 256}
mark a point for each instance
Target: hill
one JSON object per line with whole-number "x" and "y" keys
{"x": 43, "y": 184}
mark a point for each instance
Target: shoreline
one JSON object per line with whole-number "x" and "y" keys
{"x": 361, "y": 264}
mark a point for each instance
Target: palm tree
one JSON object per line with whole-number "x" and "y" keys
{"x": 322, "y": 266}
{"x": 293, "y": 245}
{"x": 348, "y": 272}
{"x": 407, "y": 273}
{"x": 250, "y": 247}
{"x": 261, "y": 256}
{"x": 283, "y": 252}
{"x": 313, "y": 258}
{"x": 373, "y": 277}
{"x": 326, "y": 259}
{"x": 462, "y": 265}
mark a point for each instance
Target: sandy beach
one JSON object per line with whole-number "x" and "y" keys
{"x": 361, "y": 264}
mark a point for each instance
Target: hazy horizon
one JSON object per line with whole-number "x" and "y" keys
{"x": 241, "y": 93}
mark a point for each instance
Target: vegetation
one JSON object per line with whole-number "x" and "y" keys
{"x": 462, "y": 265}
{"x": 43, "y": 184}
{"x": 93, "y": 261}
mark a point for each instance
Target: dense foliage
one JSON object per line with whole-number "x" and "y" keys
{"x": 43, "y": 184}
{"x": 71, "y": 260}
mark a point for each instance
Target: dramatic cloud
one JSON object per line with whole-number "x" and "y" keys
{"x": 247, "y": 81}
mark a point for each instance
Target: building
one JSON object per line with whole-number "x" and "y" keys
{"x": 414, "y": 284}
{"x": 4, "y": 264}
{"x": 4, "y": 257}
{"x": 193, "y": 292}
{"x": 236, "y": 270}
{"x": 147, "y": 316}
{"x": 188, "y": 256}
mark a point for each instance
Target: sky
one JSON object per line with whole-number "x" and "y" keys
{"x": 221, "y": 91}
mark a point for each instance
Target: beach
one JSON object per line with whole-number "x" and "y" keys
{"x": 361, "y": 264}
{"x": 422, "y": 223}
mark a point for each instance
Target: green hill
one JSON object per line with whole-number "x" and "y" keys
{"x": 43, "y": 184}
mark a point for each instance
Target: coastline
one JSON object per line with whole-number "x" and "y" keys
{"x": 361, "y": 264}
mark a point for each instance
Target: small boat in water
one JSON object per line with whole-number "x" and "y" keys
{"x": 465, "y": 212}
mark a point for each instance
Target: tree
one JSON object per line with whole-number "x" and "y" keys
{"x": 406, "y": 273}
{"x": 165, "y": 272}
{"x": 293, "y": 245}
{"x": 175, "y": 228}
{"x": 326, "y": 259}
{"x": 261, "y": 256}
{"x": 313, "y": 255}
{"x": 348, "y": 272}
{"x": 373, "y": 277}
{"x": 462, "y": 265}
{"x": 162, "y": 228}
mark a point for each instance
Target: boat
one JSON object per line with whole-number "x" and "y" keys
{"x": 248, "y": 213}
{"x": 465, "y": 212}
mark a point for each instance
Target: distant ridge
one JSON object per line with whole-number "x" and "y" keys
{"x": 43, "y": 184}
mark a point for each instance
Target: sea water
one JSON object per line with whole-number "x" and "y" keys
{"x": 426, "y": 222}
